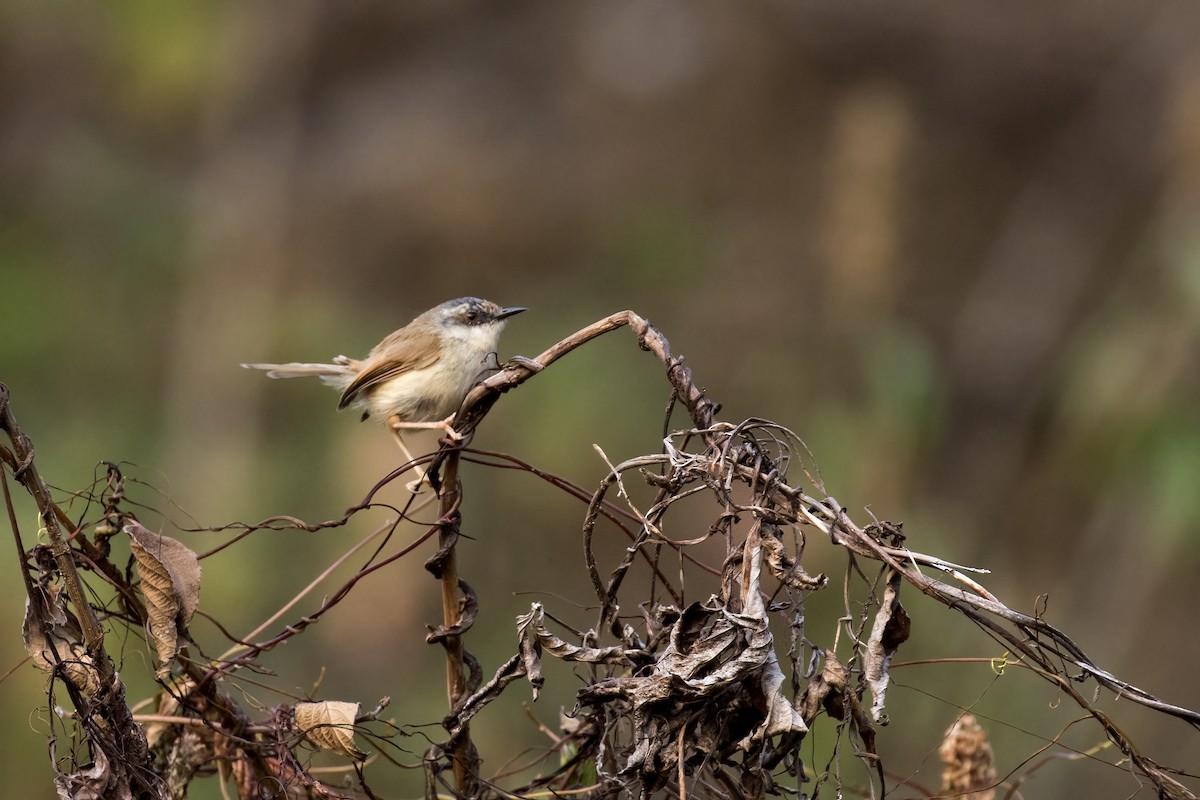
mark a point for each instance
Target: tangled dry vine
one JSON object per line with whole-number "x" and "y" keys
{"x": 710, "y": 695}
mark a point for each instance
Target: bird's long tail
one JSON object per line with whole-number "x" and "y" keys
{"x": 338, "y": 374}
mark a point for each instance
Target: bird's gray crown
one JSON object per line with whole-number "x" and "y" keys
{"x": 472, "y": 311}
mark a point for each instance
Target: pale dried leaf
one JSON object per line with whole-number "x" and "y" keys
{"x": 787, "y": 570}
{"x": 532, "y": 626}
{"x": 828, "y": 690}
{"x": 717, "y": 663}
{"x": 782, "y": 716}
{"x": 170, "y": 574}
{"x": 65, "y": 639}
{"x": 533, "y": 638}
{"x": 95, "y": 782}
{"x": 330, "y": 726}
{"x": 890, "y": 630}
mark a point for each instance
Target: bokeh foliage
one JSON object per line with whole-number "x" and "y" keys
{"x": 954, "y": 247}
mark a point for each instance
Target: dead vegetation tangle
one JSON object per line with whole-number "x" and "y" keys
{"x": 684, "y": 695}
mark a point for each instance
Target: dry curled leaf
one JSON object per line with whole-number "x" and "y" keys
{"x": 891, "y": 629}
{"x": 330, "y": 726}
{"x": 53, "y": 636}
{"x": 93, "y": 782}
{"x": 717, "y": 678}
{"x": 534, "y": 638}
{"x": 170, "y": 574}
{"x": 786, "y": 569}
{"x": 826, "y": 690}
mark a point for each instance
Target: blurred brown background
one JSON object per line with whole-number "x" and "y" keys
{"x": 955, "y": 246}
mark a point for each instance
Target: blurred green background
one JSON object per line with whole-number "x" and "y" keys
{"x": 955, "y": 246}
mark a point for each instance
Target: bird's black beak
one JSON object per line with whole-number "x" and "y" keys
{"x": 508, "y": 312}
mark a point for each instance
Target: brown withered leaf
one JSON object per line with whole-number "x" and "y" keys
{"x": 330, "y": 726}
{"x": 717, "y": 665}
{"x": 534, "y": 638}
{"x": 94, "y": 782}
{"x": 65, "y": 638}
{"x": 784, "y": 567}
{"x": 826, "y": 691}
{"x": 170, "y": 574}
{"x": 890, "y": 630}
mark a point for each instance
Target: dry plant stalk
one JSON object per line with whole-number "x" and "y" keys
{"x": 691, "y": 696}
{"x": 70, "y": 645}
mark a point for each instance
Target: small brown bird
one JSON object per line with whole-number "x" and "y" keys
{"x": 418, "y": 376}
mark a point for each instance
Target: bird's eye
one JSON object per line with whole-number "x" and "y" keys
{"x": 472, "y": 316}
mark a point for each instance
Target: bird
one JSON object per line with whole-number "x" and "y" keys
{"x": 417, "y": 377}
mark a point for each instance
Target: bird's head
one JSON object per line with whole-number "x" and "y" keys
{"x": 472, "y": 312}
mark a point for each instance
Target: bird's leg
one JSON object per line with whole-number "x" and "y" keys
{"x": 444, "y": 426}
{"x": 414, "y": 486}
{"x": 396, "y": 425}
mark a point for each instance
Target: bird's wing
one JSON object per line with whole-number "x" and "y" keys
{"x": 393, "y": 356}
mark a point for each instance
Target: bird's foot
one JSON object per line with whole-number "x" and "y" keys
{"x": 531, "y": 364}
{"x": 418, "y": 485}
{"x": 445, "y": 426}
